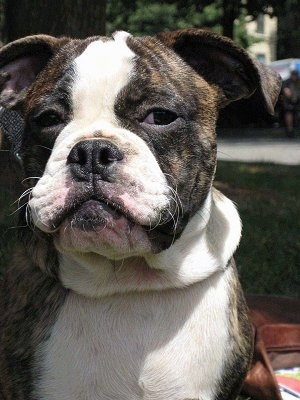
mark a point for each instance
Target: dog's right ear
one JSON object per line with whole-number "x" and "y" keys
{"x": 223, "y": 63}
{"x": 20, "y": 63}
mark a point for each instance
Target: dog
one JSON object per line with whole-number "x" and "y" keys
{"x": 123, "y": 284}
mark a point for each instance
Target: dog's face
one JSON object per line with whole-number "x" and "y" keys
{"x": 119, "y": 143}
{"x": 123, "y": 176}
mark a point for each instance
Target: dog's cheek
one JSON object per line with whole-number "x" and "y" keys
{"x": 34, "y": 157}
{"x": 189, "y": 164}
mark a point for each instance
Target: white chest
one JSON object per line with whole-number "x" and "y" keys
{"x": 150, "y": 346}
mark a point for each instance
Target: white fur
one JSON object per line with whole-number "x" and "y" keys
{"x": 206, "y": 245}
{"x": 102, "y": 70}
{"x": 151, "y": 326}
{"x": 159, "y": 345}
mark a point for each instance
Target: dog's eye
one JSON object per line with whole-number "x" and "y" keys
{"x": 48, "y": 119}
{"x": 160, "y": 117}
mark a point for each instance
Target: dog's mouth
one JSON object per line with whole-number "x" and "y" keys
{"x": 91, "y": 214}
{"x": 95, "y": 213}
{"x": 94, "y": 217}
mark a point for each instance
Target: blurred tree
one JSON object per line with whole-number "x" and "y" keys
{"x": 288, "y": 44}
{"x": 151, "y": 17}
{"x": 232, "y": 10}
{"x": 1, "y": 18}
{"x": 142, "y": 16}
{"x": 76, "y": 18}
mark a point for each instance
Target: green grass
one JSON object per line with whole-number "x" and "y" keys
{"x": 295, "y": 375}
{"x": 268, "y": 199}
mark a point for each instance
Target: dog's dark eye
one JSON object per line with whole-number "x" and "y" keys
{"x": 160, "y": 117}
{"x": 48, "y": 119}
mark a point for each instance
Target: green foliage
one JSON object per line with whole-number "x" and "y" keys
{"x": 241, "y": 36}
{"x": 141, "y": 17}
{"x": 152, "y": 17}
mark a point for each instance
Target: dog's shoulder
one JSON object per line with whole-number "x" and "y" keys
{"x": 29, "y": 303}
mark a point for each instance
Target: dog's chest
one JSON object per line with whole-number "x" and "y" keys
{"x": 154, "y": 346}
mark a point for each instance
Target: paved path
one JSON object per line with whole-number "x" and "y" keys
{"x": 280, "y": 151}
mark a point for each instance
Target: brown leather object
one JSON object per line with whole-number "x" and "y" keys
{"x": 276, "y": 321}
{"x": 266, "y": 310}
{"x": 260, "y": 383}
{"x": 281, "y": 337}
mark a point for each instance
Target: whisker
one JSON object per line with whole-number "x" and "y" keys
{"x": 24, "y": 194}
{"x": 157, "y": 223}
{"x": 31, "y": 177}
{"x": 174, "y": 191}
{"x": 18, "y": 209}
{"x": 43, "y": 147}
{"x": 28, "y": 217}
{"x": 17, "y": 227}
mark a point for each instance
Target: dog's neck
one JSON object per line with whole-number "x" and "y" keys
{"x": 205, "y": 247}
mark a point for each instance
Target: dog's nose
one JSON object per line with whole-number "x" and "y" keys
{"x": 93, "y": 157}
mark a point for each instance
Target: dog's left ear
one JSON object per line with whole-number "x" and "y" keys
{"x": 20, "y": 63}
{"x": 221, "y": 62}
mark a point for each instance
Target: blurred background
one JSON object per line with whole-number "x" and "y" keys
{"x": 268, "y": 29}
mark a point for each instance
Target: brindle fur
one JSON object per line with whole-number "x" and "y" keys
{"x": 29, "y": 303}
{"x": 31, "y": 294}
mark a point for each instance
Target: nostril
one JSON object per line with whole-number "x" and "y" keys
{"x": 105, "y": 157}
{"x": 108, "y": 154}
{"x": 81, "y": 156}
{"x": 78, "y": 155}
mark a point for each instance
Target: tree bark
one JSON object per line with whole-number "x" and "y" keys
{"x": 230, "y": 13}
{"x": 75, "y": 18}
{"x": 288, "y": 44}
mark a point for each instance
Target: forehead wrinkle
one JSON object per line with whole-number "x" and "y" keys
{"x": 101, "y": 71}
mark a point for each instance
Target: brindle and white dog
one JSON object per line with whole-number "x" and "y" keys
{"x": 123, "y": 285}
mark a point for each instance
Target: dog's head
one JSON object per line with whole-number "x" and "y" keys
{"x": 119, "y": 143}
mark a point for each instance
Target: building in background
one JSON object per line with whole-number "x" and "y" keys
{"x": 264, "y": 29}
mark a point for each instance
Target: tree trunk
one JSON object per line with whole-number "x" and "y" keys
{"x": 75, "y": 18}
{"x": 288, "y": 44}
{"x": 230, "y": 13}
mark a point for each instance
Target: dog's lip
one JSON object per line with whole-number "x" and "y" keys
{"x": 98, "y": 211}
{"x": 91, "y": 212}
{"x": 94, "y": 211}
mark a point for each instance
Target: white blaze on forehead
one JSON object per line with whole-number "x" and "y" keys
{"x": 102, "y": 70}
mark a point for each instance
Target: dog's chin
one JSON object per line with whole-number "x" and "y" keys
{"x": 97, "y": 227}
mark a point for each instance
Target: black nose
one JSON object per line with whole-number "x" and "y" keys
{"x": 93, "y": 157}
